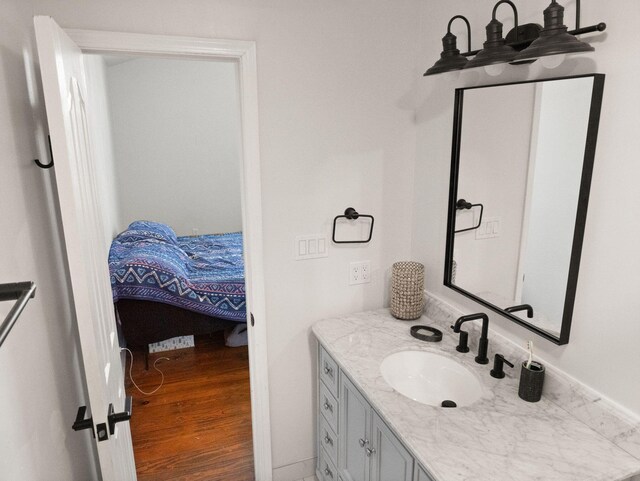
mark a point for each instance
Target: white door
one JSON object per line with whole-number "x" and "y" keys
{"x": 63, "y": 80}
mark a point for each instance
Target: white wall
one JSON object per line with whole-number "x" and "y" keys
{"x": 176, "y": 135}
{"x": 99, "y": 119}
{"x": 605, "y": 329}
{"x": 336, "y": 86}
{"x": 40, "y": 387}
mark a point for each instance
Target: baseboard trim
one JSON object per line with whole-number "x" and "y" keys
{"x": 295, "y": 471}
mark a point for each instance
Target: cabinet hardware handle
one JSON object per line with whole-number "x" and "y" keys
{"x": 363, "y": 442}
{"x": 327, "y": 406}
{"x": 328, "y": 370}
{"x": 328, "y": 440}
{"x": 328, "y": 472}
{"x": 370, "y": 451}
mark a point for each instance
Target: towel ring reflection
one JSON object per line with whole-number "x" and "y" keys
{"x": 464, "y": 205}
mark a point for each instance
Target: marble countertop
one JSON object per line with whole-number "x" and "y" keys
{"x": 500, "y": 437}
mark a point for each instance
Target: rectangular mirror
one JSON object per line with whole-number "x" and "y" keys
{"x": 520, "y": 175}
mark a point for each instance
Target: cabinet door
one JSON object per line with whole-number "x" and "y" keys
{"x": 355, "y": 415}
{"x": 390, "y": 461}
{"x": 421, "y": 474}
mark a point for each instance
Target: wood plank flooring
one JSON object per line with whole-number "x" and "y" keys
{"x": 198, "y": 425}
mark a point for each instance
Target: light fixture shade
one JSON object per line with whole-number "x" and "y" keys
{"x": 450, "y": 58}
{"x": 495, "y": 49}
{"x": 554, "y": 38}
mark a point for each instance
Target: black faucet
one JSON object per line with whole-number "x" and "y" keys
{"x": 498, "y": 366}
{"x": 483, "y": 345}
{"x": 521, "y": 307}
{"x": 462, "y": 343}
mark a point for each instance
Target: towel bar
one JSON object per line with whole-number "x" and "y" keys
{"x": 20, "y": 291}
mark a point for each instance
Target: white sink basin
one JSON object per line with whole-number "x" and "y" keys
{"x": 430, "y": 378}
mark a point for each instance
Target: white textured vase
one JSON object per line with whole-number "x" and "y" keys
{"x": 407, "y": 290}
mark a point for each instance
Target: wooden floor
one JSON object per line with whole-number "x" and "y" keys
{"x": 198, "y": 425}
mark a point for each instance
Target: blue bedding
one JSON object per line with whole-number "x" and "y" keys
{"x": 204, "y": 274}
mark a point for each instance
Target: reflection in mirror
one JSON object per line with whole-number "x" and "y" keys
{"x": 521, "y": 170}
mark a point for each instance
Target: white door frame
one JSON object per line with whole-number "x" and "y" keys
{"x": 244, "y": 53}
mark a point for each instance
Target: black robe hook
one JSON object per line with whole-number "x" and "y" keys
{"x": 50, "y": 164}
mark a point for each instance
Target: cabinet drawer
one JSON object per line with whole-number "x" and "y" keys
{"x": 328, "y": 372}
{"x": 329, "y": 440}
{"x": 327, "y": 468}
{"x": 329, "y": 407}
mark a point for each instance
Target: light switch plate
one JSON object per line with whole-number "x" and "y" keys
{"x": 310, "y": 247}
{"x": 489, "y": 228}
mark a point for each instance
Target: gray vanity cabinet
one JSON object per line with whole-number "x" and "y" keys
{"x": 390, "y": 460}
{"x": 328, "y": 407}
{"x": 369, "y": 451}
{"x": 355, "y": 415}
{"x": 354, "y": 443}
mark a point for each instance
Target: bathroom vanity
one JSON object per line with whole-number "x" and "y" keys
{"x": 368, "y": 431}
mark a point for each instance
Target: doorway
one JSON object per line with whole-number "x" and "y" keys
{"x": 167, "y": 140}
{"x": 243, "y": 55}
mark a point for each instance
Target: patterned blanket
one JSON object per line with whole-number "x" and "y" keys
{"x": 204, "y": 274}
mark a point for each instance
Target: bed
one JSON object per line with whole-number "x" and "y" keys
{"x": 166, "y": 286}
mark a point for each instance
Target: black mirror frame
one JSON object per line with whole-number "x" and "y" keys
{"x": 581, "y": 214}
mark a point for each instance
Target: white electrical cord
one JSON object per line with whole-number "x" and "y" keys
{"x": 154, "y": 366}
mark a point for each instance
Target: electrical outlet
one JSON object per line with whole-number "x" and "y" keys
{"x": 359, "y": 272}
{"x": 365, "y": 271}
{"x": 354, "y": 273}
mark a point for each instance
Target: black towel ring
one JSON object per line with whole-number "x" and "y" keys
{"x": 351, "y": 214}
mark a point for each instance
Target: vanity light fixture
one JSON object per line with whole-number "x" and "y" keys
{"x": 451, "y": 58}
{"x": 495, "y": 49}
{"x": 531, "y": 40}
{"x": 554, "y": 38}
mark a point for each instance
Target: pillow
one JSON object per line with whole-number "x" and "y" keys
{"x": 148, "y": 230}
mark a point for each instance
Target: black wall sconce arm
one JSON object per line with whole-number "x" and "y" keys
{"x": 515, "y": 15}
{"x": 451, "y": 58}
{"x": 464, "y": 19}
